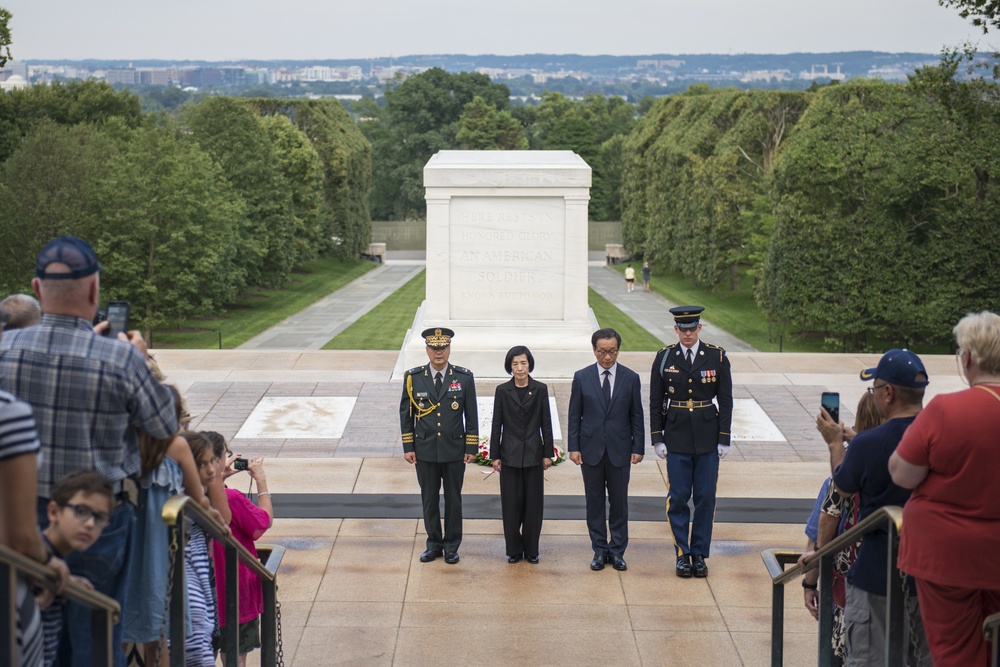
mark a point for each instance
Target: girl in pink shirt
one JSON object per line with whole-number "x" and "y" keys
{"x": 249, "y": 522}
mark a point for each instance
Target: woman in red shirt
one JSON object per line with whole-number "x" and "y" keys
{"x": 951, "y": 524}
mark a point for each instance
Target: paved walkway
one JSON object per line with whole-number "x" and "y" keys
{"x": 652, "y": 312}
{"x": 315, "y": 326}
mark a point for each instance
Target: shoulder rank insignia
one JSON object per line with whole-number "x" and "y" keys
{"x": 414, "y": 371}
{"x": 722, "y": 352}
{"x": 461, "y": 369}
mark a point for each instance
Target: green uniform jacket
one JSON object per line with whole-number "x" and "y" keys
{"x": 439, "y": 427}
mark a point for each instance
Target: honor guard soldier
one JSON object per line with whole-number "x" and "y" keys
{"x": 440, "y": 427}
{"x": 691, "y": 432}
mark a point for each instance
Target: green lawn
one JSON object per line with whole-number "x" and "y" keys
{"x": 634, "y": 337}
{"x": 258, "y": 311}
{"x": 734, "y": 312}
{"x": 385, "y": 325}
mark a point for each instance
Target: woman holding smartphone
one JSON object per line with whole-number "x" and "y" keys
{"x": 521, "y": 448}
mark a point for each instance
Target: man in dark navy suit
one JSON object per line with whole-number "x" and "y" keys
{"x": 691, "y": 432}
{"x": 606, "y": 435}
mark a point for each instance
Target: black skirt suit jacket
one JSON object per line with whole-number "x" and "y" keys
{"x": 522, "y": 431}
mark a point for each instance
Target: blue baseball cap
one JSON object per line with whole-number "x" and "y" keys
{"x": 899, "y": 367}
{"x": 74, "y": 252}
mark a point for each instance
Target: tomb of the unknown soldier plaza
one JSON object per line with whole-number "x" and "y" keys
{"x": 507, "y": 263}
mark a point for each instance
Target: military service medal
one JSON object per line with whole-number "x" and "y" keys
{"x": 454, "y": 405}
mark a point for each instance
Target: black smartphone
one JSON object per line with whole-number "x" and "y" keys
{"x": 831, "y": 403}
{"x": 117, "y": 314}
{"x": 241, "y": 464}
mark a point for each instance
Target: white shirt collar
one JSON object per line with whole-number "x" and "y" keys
{"x": 613, "y": 370}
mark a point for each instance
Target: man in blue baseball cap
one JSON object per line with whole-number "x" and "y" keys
{"x": 91, "y": 396}
{"x": 898, "y": 383}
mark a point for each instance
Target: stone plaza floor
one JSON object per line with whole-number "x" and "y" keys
{"x": 351, "y": 588}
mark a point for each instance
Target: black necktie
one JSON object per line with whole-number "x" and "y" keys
{"x": 437, "y": 383}
{"x": 690, "y": 357}
{"x": 607, "y": 386}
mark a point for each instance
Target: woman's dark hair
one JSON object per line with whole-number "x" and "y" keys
{"x": 517, "y": 351}
{"x": 152, "y": 450}
{"x": 198, "y": 443}
{"x": 219, "y": 447}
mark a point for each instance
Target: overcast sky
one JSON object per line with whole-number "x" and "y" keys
{"x": 322, "y": 29}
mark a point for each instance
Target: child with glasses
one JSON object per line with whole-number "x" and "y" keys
{"x": 79, "y": 510}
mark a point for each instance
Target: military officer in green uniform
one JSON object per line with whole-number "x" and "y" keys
{"x": 440, "y": 426}
{"x": 691, "y": 432}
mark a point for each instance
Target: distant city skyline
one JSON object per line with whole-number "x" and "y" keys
{"x": 314, "y": 30}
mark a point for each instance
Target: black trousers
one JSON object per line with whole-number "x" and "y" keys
{"x": 522, "y": 491}
{"x": 431, "y": 475}
{"x": 606, "y": 481}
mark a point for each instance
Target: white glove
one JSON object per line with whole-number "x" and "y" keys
{"x": 660, "y": 449}
{"x": 723, "y": 451}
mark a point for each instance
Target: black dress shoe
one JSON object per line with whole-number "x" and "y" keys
{"x": 619, "y": 564}
{"x": 698, "y": 566}
{"x": 684, "y": 567}
{"x": 532, "y": 559}
{"x": 608, "y": 558}
{"x": 451, "y": 557}
{"x": 514, "y": 559}
{"x": 430, "y": 555}
{"x": 598, "y": 562}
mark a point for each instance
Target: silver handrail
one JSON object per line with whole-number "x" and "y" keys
{"x": 991, "y": 628}
{"x": 889, "y": 516}
{"x": 173, "y": 514}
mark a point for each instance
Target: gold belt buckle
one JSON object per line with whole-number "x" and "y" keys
{"x": 690, "y": 405}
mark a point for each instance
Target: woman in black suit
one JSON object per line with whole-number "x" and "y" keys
{"x": 521, "y": 448}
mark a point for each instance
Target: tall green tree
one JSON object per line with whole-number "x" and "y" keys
{"x": 588, "y": 128}
{"x": 346, "y": 157}
{"x": 5, "y": 39}
{"x": 695, "y": 172}
{"x": 48, "y": 188}
{"x": 302, "y": 171}
{"x": 421, "y": 117}
{"x": 64, "y": 103}
{"x": 482, "y": 127}
{"x": 881, "y": 224}
{"x": 167, "y": 232}
{"x": 233, "y": 136}
{"x": 984, "y": 13}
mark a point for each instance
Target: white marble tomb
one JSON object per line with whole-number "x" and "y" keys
{"x": 506, "y": 260}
